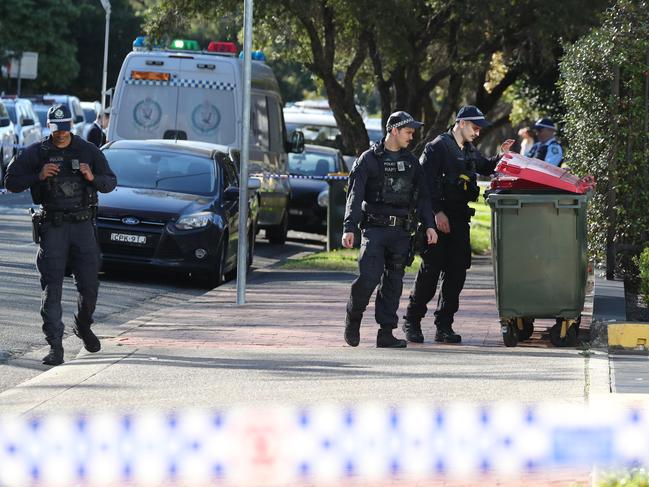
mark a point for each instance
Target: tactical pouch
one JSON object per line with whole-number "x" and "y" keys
{"x": 37, "y": 221}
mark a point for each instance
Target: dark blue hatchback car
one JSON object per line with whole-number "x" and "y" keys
{"x": 176, "y": 206}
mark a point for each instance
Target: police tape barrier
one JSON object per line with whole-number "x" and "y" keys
{"x": 323, "y": 445}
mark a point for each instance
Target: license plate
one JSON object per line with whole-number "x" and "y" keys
{"x": 128, "y": 238}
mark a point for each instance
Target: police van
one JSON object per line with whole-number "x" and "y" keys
{"x": 185, "y": 93}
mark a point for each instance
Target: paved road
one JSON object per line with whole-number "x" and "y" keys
{"x": 123, "y": 297}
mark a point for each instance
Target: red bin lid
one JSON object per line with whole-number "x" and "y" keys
{"x": 541, "y": 174}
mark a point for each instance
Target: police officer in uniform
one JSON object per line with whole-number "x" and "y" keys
{"x": 450, "y": 164}
{"x": 547, "y": 148}
{"x": 64, "y": 173}
{"x": 386, "y": 195}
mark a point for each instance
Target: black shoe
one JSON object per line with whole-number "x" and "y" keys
{"x": 352, "y": 331}
{"x": 385, "y": 339}
{"x": 445, "y": 334}
{"x": 90, "y": 340}
{"x": 412, "y": 329}
{"x": 55, "y": 357}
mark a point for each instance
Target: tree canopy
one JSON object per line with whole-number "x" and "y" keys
{"x": 424, "y": 56}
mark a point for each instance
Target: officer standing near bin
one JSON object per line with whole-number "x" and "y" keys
{"x": 387, "y": 194}
{"x": 547, "y": 148}
{"x": 450, "y": 164}
{"x": 64, "y": 173}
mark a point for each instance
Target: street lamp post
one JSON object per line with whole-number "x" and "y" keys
{"x": 106, "y": 5}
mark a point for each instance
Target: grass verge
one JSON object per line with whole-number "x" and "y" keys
{"x": 346, "y": 259}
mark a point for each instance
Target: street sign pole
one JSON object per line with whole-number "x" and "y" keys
{"x": 106, "y": 5}
{"x": 242, "y": 253}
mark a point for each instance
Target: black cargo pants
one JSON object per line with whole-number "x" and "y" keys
{"x": 450, "y": 257}
{"x": 77, "y": 242}
{"x": 381, "y": 262}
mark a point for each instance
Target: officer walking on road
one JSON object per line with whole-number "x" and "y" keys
{"x": 547, "y": 148}
{"x": 64, "y": 173}
{"x": 386, "y": 195}
{"x": 450, "y": 164}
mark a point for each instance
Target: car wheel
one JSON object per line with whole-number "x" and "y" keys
{"x": 277, "y": 234}
{"x": 216, "y": 276}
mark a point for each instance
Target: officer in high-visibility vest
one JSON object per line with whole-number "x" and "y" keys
{"x": 547, "y": 148}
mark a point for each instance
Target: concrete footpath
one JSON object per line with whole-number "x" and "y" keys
{"x": 285, "y": 346}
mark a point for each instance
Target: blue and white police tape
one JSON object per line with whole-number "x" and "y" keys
{"x": 323, "y": 445}
{"x": 329, "y": 177}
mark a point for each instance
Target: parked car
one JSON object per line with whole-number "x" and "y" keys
{"x": 26, "y": 122}
{"x": 7, "y": 141}
{"x": 90, "y": 111}
{"x": 307, "y": 209}
{"x": 42, "y": 103}
{"x": 176, "y": 206}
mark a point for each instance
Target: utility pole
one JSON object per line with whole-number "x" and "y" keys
{"x": 242, "y": 252}
{"x": 106, "y": 5}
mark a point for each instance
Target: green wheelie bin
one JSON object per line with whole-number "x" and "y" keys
{"x": 539, "y": 248}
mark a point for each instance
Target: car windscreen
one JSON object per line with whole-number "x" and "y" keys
{"x": 311, "y": 164}
{"x": 89, "y": 115}
{"x": 11, "y": 109}
{"x": 158, "y": 169}
{"x": 41, "y": 111}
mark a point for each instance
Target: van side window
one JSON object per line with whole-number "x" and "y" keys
{"x": 229, "y": 173}
{"x": 259, "y": 122}
{"x": 275, "y": 120}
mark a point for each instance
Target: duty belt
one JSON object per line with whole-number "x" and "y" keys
{"x": 77, "y": 215}
{"x": 378, "y": 220}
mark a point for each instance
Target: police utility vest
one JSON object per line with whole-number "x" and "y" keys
{"x": 539, "y": 151}
{"x": 460, "y": 181}
{"x": 68, "y": 190}
{"x": 397, "y": 187}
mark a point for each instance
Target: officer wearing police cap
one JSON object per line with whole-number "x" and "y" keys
{"x": 386, "y": 197}
{"x": 547, "y": 148}
{"x": 451, "y": 164}
{"x": 64, "y": 174}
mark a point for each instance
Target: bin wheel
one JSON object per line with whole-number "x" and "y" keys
{"x": 524, "y": 328}
{"x": 510, "y": 332}
{"x": 567, "y": 328}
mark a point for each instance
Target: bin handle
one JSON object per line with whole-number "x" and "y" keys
{"x": 516, "y": 204}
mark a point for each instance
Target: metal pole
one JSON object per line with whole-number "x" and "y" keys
{"x": 20, "y": 65}
{"x": 106, "y": 5}
{"x": 242, "y": 255}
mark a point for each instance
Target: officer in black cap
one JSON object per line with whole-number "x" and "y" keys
{"x": 547, "y": 148}
{"x": 64, "y": 173}
{"x": 387, "y": 195}
{"x": 451, "y": 164}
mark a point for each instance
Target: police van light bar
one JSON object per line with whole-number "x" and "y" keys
{"x": 139, "y": 44}
{"x": 185, "y": 45}
{"x": 150, "y": 75}
{"x": 255, "y": 56}
{"x": 222, "y": 47}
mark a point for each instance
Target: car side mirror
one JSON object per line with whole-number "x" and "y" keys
{"x": 27, "y": 122}
{"x": 4, "y": 122}
{"x": 254, "y": 184}
{"x": 297, "y": 142}
{"x": 231, "y": 193}
{"x": 79, "y": 119}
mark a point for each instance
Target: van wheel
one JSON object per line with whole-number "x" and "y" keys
{"x": 252, "y": 234}
{"x": 277, "y": 234}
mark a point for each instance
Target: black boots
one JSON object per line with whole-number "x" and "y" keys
{"x": 90, "y": 340}
{"x": 385, "y": 339}
{"x": 445, "y": 334}
{"x": 352, "y": 331}
{"x": 55, "y": 357}
{"x": 412, "y": 329}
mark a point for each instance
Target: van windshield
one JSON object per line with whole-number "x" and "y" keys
{"x": 149, "y": 112}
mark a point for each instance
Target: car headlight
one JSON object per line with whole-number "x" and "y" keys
{"x": 195, "y": 220}
{"x": 323, "y": 198}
